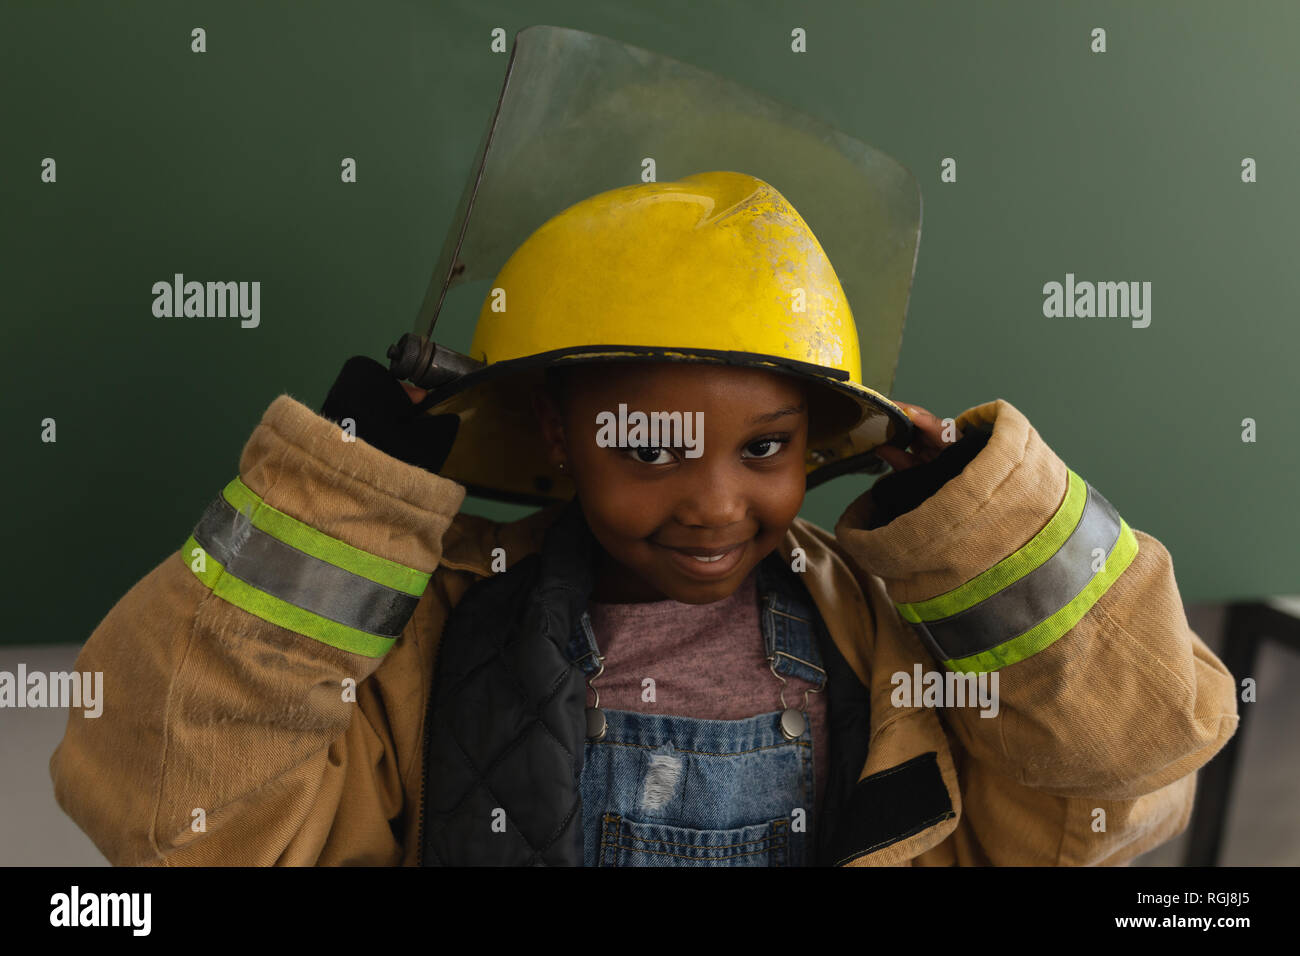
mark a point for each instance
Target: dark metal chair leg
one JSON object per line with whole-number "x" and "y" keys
{"x": 1244, "y": 634}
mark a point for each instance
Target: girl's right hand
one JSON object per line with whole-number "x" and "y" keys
{"x": 383, "y": 414}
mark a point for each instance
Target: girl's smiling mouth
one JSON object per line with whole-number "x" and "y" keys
{"x": 707, "y": 564}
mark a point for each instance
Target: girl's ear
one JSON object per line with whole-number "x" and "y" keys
{"x": 551, "y": 421}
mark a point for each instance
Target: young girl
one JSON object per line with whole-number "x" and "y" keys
{"x": 664, "y": 666}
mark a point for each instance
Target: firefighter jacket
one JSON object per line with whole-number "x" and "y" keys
{"x": 267, "y": 686}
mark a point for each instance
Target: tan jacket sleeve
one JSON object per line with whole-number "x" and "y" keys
{"x": 230, "y": 734}
{"x": 1107, "y": 701}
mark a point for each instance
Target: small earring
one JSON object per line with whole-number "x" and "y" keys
{"x": 561, "y": 466}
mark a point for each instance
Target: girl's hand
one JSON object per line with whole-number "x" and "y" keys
{"x": 927, "y": 440}
{"x": 382, "y": 412}
{"x": 415, "y": 392}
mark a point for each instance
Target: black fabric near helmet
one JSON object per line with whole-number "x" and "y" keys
{"x": 385, "y": 416}
{"x": 901, "y": 491}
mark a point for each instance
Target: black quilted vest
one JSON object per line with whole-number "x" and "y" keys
{"x": 506, "y": 726}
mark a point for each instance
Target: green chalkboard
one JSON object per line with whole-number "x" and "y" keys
{"x": 1117, "y": 166}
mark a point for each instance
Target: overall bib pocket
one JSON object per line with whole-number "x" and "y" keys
{"x": 625, "y": 842}
{"x": 663, "y": 790}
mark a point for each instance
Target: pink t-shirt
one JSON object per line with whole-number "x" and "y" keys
{"x": 706, "y": 660}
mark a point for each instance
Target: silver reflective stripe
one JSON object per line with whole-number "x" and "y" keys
{"x": 1035, "y": 597}
{"x": 271, "y": 566}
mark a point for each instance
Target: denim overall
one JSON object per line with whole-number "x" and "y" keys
{"x": 663, "y": 790}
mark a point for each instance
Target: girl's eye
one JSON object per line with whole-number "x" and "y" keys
{"x": 766, "y": 447}
{"x": 763, "y": 448}
{"x": 650, "y": 456}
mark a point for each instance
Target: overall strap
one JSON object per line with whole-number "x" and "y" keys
{"x": 790, "y": 623}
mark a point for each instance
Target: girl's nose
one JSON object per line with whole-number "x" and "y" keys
{"x": 712, "y": 499}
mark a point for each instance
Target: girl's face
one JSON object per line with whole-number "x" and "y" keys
{"x": 653, "y": 509}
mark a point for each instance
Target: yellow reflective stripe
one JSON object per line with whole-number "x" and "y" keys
{"x": 1044, "y": 634}
{"x": 1010, "y": 569}
{"x": 275, "y": 611}
{"x": 320, "y": 545}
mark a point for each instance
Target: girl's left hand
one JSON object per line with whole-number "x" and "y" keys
{"x": 927, "y": 440}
